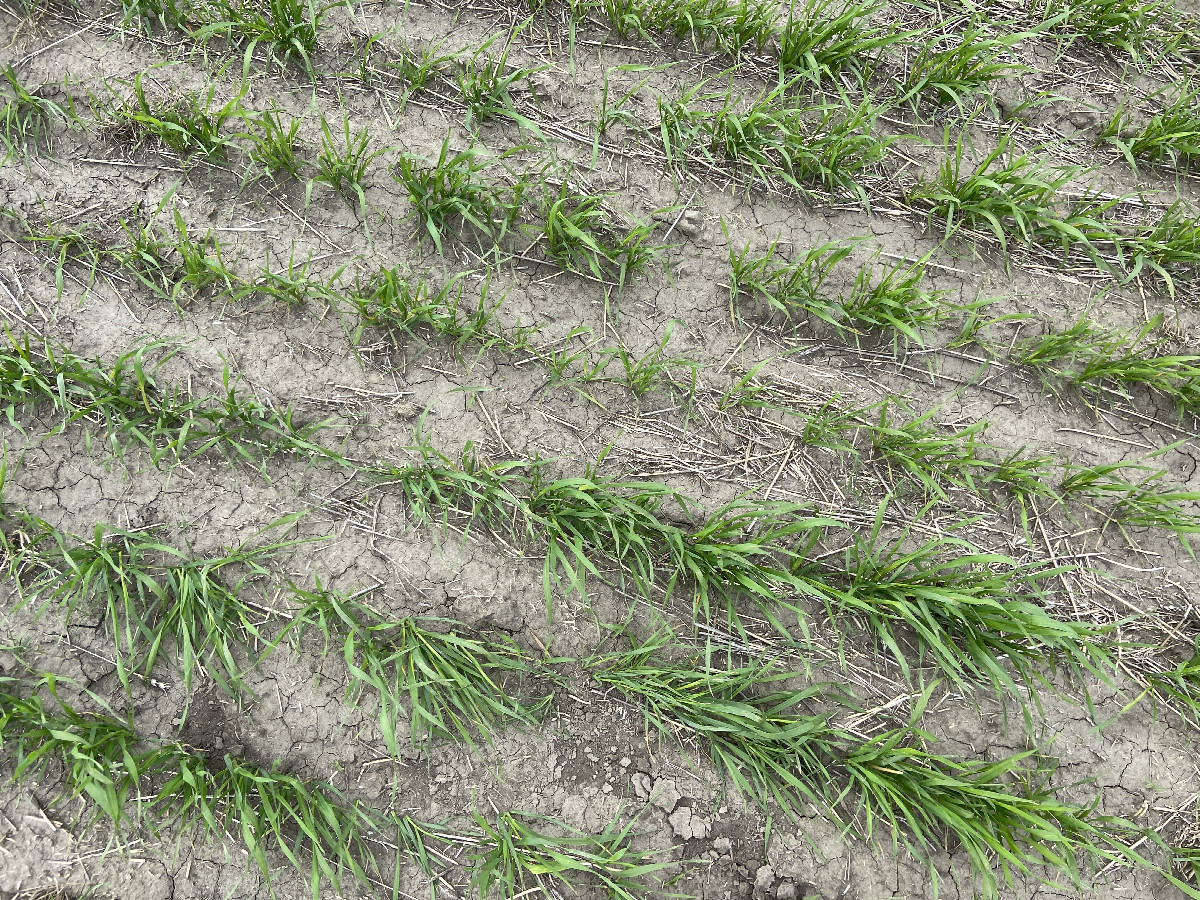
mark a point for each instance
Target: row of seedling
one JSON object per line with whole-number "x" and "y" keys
{"x": 825, "y": 38}
{"x": 1101, "y": 362}
{"x": 828, "y": 143}
{"x": 1007, "y": 194}
{"x": 1133, "y": 494}
{"x": 1014, "y": 196}
{"x": 153, "y": 600}
{"x": 769, "y": 749}
{"x": 134, "y": 407}
{"x": 816, "y": 38}
{"x": 327, "y": 837}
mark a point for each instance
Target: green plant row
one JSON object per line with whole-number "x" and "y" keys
{"x": 773, "y": 136}
{"x": 1094, "y": 359}
{"x": 1013, "y": 195}
{"x": 814, "y": 38}
{"x": 1003, "y": 815}
{"x": 968, "y": 610}
{"x": 759, "y": 736}
{"x": 132, "y": 406}
{"x": 327, "y": 837}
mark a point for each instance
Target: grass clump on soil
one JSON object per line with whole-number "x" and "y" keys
{"x": 1014, "y": 195}
{"x": 581, "y": 234}
{"x": 343, "y": 164}
{"x": 186, "y": 124}
{"x": 398, "y": 301}
{"x": 418, "y": 65}
{"x": 829, "y": 144}
{"x": 933, "y": 459}
{"x": 151, "y": 597}
{"x": 796, "y": 288}
{"x": 449, "y": 194}
{"x": 1001, "y": 814}
{"x": 485, "y": 84}
{"x": 1118, "y": 24}
{"x": 728, "y": 27}
{"x": 135, "y": 409}
{"x": 176, "y": 267}
{"x": 290, "y": 285}
{"x": 321, "y": 833}
{"x": 1101, "y": 362}
{"x": 1169, "y": 247}
{"x": 969, "y": 65}
{"x": 1179, "y": 687}
{"x": 1145, "y": 503}
{"x": 287, "y": 29}
{"x": 272, "y": 142}
{"x": 27, "y": 120}
{"x": 169, "y": 14}
{"x": 1170, "y": 136}
{"x": 824, "y": 38}
{"x": 452, "y": 683}
{"x": 516, "y": 858}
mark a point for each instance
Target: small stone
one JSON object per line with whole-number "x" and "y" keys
{"x": 626, "y": 762}
{"x": 786, "y": 891}
{"x": 607, "y": 788}
{"x": 543, "y": 85}
{"x": 723, "y": 845}
{"x": 641, "y": 785}
{"x": 687, "y": 825}
{"x": 666, "y": 794}
{"x": 764, "y": 879}
{"x": 1082, "y": 119}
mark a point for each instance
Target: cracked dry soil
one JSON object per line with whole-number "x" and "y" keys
{"x": 593, "y": 760}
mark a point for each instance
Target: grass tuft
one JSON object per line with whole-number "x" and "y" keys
{"x": 517, "y": 859}
{"x": 27, "y": 120}
{"x": 798, "y": 288}
{"x": 151, "y": 597}
{"x": 977, "y": 615}
{"x": 824, "y": 38}
{"x": 452, "y": 683}
{"x": 952, "y": 74}
{"x": 1003, "y": 814}
{"x": 187, "y": 124}
{"x": 1170, "y": 136}
{"x": 273, "y": 142}
{"x": 449, "y": 194}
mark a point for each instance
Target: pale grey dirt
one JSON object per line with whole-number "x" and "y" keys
{"x": 592, "y": 761}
